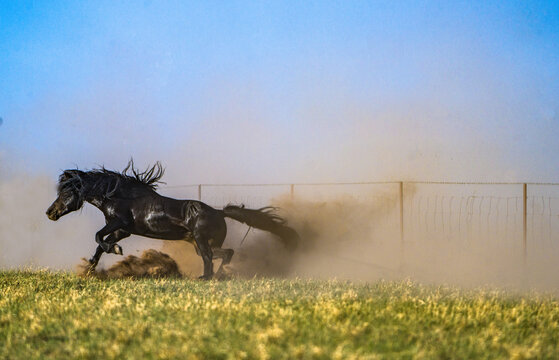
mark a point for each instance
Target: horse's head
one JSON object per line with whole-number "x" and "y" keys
{"x": 70, "y": 194}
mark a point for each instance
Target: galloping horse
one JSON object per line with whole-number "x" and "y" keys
{"x": 132, "y": 206}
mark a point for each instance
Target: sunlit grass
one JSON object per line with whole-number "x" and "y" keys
{"x": 58, "y": 315}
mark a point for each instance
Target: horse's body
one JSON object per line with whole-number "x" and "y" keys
{"x": 131, "y": 206}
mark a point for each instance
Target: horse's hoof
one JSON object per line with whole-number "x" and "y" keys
{"x": 205, "y": 277}
{"x": 92, "y": 264}
{"x": 87, "y": 268}
{"x": 222, "y": 276}
{"x": 117, "y": 249}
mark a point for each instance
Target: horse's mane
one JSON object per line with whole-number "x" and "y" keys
{"x": 150, "y": 177}
{"x": 106, "y": 182}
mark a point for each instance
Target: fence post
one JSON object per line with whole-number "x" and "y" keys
{"x": 525, "y": 221}
{"x": 401, "y": 197}
{"x": 200, "y": 192}
{"x": 402, "y": 245}
{"x": 292, "y": 190}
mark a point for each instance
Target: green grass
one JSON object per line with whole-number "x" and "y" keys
{"x": 58, "y": 315}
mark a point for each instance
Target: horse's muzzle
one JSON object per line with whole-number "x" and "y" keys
{"x": 52, "y": 214}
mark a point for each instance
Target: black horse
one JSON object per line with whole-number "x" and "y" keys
{"x": 131, "y": 206}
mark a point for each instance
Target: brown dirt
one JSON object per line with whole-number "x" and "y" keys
{"x": 151, "y": 264}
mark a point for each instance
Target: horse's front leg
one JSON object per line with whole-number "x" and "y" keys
{"x": 111, "y": 240}
{"x": 95, "y": 258}
{"x": 110, "y": 227}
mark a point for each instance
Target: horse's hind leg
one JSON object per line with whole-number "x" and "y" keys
{"x": 204, "y": 250}
{"x": 209, "y": 232}
{"x": 225, "y": 255}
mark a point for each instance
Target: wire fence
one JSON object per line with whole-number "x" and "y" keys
{"x": 524, "y": 214}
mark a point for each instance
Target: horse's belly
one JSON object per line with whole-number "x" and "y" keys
{"x": 162, "y": 227}
{"x": 168, "y": 235}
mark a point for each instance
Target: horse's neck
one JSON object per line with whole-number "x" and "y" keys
{"x": 94, "y": 195}
{"x": 96, "y": 201}
{"x": 100, "y": 189}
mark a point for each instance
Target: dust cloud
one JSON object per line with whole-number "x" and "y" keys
{"x": 473, "y": 238}
{"x": 358, "y": 238}
{"x": 151, "y": 264}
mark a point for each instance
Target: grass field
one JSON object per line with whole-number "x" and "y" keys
{"x": 59, "y": 315}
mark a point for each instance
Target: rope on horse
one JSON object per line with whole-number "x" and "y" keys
{"x": 242, "y": 241}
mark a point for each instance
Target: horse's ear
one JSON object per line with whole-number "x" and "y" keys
{"x": 64, "y": 176}
{"x": 67, "y": 174}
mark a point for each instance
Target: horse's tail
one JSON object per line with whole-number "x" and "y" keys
{"x": 264, "y": 219}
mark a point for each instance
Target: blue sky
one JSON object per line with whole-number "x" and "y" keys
{"x": 283, "y": 91}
